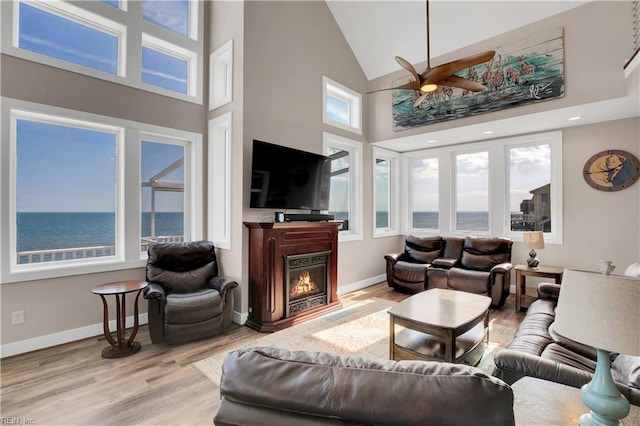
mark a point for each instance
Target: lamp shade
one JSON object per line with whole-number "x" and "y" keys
{"x": 602, "y": 311}
{"x": 534, "y": 240}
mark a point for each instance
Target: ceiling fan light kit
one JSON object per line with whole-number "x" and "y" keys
{"x": 441, "y": 75}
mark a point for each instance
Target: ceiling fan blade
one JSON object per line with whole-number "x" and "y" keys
{"x": 461, "y": 83}
{"x": 444, "y": 70}
{"x": 417, "y": 103}
{"x": 413, "y": 85}
{"x": 407, "y": 66}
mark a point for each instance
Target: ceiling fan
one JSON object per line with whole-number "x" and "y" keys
{"x": 441, "y": 75}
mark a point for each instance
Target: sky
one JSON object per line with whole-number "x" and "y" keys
{"x": 67, "y": 169}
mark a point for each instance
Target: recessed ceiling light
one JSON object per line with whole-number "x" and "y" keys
{"x": 488, "y": 132}
{"x": 577, "y": 117}
{"x": 432, "y": 141}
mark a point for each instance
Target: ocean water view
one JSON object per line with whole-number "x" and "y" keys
{"x": 51, "y": 231}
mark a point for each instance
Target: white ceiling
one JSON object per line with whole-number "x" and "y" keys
{"x": 379, "y": 30}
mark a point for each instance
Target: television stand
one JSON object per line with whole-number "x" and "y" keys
{"x": 307, "y": 217}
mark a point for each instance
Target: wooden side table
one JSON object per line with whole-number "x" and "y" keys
{"x": 541, "y": 402}
{"x": 119, "y": 346}
{"x": 523, "y": 271}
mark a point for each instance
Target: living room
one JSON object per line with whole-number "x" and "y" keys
{"x": 281, "y": 51}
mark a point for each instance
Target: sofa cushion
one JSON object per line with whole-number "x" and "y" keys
{"x": 482, "y": 254}
{"x": 469, "y": 281}
{"x": 188, "y": 308}
{"x": 410, "y": 272}
{"x": 364, "y": 391}
{"x": 423, "y": 249}
{"x": 626, "y": 369}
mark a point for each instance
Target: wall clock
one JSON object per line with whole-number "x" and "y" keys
{"x": 611, "y": 170}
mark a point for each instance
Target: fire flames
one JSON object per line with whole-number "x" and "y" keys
{"x": 304, "y": 286}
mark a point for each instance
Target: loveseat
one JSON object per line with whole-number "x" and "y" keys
{"x": 538, "y": 351}
{"x": 480, "y": 265}
{"x": 278, "y": 387}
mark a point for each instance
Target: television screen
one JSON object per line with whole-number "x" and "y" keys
{"x": 287, "y": 178}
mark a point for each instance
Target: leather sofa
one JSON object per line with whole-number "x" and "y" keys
{"x": 478, "y": 265}
{"x": 278, "y": 387}
{"x": 186, "y": 297}
{"x": 538, "y": 351}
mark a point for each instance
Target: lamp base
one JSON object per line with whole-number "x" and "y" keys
{"x": 602, "y": 397}
{"x": 533, "y": 261}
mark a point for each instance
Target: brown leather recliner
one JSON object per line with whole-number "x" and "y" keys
{"x": 483, "y": 268}
{"x": 272, "y": 386}
{"x": 407, "y": 271}
{"x": 187, "y": 299}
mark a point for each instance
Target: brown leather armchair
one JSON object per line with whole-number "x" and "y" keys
{"x": 407, "y": 271}
{"x": 187, "y": 299}
{"x": 483, "y": 268}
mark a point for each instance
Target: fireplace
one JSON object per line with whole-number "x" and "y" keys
{"x": 293, "y": 273}
{"x": 305, "y": 282}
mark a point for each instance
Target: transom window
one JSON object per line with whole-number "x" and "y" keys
{"x": 150, "y": 45}
{"x": 341, "y": 106}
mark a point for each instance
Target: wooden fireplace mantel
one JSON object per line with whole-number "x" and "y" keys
{"x": 268, "y": 244}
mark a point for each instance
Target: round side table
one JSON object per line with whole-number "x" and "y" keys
{"x": 120, "y": 347}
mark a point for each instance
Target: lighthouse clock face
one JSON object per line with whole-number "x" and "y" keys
{"x": 612, "y": 170}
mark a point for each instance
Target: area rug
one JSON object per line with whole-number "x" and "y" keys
{"x": 359, "y": 329}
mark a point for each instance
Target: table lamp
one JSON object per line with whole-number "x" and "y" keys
{"x": 533, "y": 240}
{"x": 600, "y": 311}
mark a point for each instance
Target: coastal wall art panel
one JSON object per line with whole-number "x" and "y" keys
{"x": 526, "y": 72}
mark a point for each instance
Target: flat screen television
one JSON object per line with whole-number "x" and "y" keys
{"x": 288, "y": 178}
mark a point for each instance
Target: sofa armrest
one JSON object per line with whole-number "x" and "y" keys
{"x": 154, "y": 291}
{"x": 512, "y": 364}
{"x": 501, "y": 268}
{"x": 222, "y": 284}
{"x": 393, "y": 257}
{"x": 548, "y": 291}
{"x": 444, "y": 262}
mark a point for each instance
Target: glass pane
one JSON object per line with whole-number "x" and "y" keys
{"x": 337, "y": 110}
{"x": 65, "y": 192}
{"x": 114, "y": 3}
{"x": 164, "y": 70}
{"x": 162, "y": 173}
{"x": 171, "y": 14}
{"x": 339, "y": 198}
{"x": 382, "y": 194}
{"x": 424, "y": 189}
{"x": 530, "y": 188}
{"x": 472, "y": 198}
{"x": 48, "y": 34}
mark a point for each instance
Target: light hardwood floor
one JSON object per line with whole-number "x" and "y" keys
{"x": 72, "y": 384}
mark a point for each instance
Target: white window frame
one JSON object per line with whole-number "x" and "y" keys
{"x": 220, "y": 195}
{"x": 354, "y": 148}
{"x": 127, "y": 22}
{"x": 453, "y": 217}
{"x": 394, "y": 199}
{"x": 162, "y": 46}
{"x": 353, "y": 98}
{"x": 221, "y": 76}
{"x": 128, "y": 199}
{"x": 499, "y": 215}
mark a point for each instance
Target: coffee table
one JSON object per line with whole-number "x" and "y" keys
{"x": 440, "y": 325}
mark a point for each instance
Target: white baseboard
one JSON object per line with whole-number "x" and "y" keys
{"x": 358, "y": 285}
{"x": 240, "y": 317}
{"x": 67, "y": 336}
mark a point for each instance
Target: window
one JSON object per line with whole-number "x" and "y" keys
{"x": 86, "y": 193}
{"x": 341, "y": 106}
{"x": 472, "y": 192}
{"x": 219, "y": 211}
{"x": 162, "y": 173}
{"x": 345, "y": 201}
{"x": 173, "y": 15}
{"x": 55, "y": 33}
{"x": 450, "y": 189}
{"x": 385, "y": 194}
{"x": 65, "y": 199}
{"x": 530, "y": 187}
{"x": 425, "y": 208}
{"x": 151, "y": 45}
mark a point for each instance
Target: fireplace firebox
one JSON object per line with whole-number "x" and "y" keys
{"x": 305, "y": 282}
